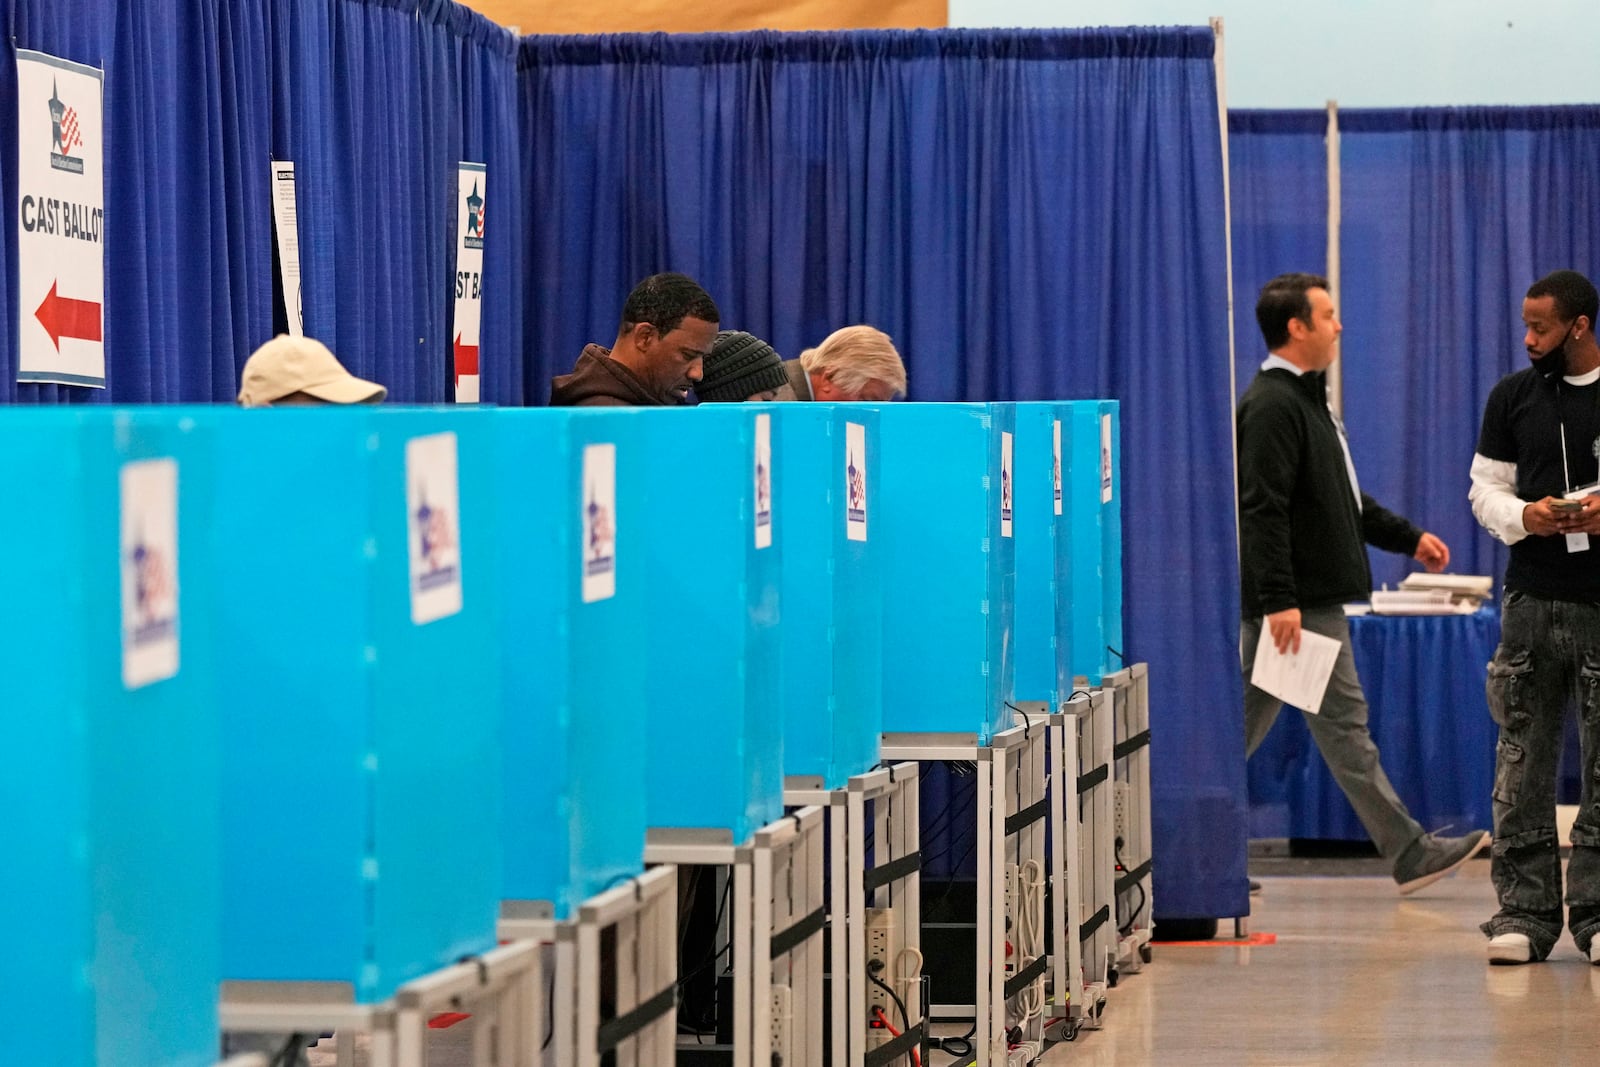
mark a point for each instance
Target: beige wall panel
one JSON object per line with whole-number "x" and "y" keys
{"x": 673, "y": 16}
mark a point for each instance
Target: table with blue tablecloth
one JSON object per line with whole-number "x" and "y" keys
{"x": 1423, "y": 676}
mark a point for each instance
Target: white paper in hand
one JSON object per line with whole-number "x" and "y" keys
{"x": 1299, "y": 678}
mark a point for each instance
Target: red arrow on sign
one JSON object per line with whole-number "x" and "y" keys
{"x": 466, "y": 359}
{"x": 62, "y": 316}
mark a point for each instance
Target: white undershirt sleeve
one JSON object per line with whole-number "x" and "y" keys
{"x": 1495, "y": 503}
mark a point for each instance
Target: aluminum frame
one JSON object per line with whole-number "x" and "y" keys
{"x": 786, "y": 853}
{"x": 1009, "y": 769}
{"x": 1130, "y": 690}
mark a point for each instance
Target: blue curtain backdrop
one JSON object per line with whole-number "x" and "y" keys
{"x": 200, "y": 95}
{"x": 1449, "y": 215}
{"x": 1028, "y": 214}
{"x": 1278, "y": 190}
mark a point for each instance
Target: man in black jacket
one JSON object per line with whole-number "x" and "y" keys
{"x": 1303, "y": 527}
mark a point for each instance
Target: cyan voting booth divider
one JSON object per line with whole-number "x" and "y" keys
{"x": 832, "y": 596}
{"x": 1093, "y": 457}
{"x": 943, "y": 504}
{"x": 711, "y": 567}
{"x": 569, "y": 547}
{"x": 110, "y": 869}
{"x": 360, "y": 713}
{"x": 1041, "y": 612}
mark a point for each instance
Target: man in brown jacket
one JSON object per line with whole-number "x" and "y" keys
{"x": 668, "y": 326}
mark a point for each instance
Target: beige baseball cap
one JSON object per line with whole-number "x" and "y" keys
{"x": 287, "y": 365}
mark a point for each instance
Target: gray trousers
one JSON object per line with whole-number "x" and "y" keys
{"x": 1340, "y": 731}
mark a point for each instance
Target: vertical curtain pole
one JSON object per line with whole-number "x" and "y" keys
{"x": 1227, "y": 221}
{"x": 1335, "y": 372}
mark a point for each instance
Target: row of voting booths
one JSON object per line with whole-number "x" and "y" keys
{"x": 358, "y": 721}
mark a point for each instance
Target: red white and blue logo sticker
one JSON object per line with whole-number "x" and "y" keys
{"x": 1005, "y": 484}
{"x": 1105, "y": 459}
{"x": 599, "y": 513}
{"x": 1056, "y": 467}
{"x": 855, "y": 481}
{"x": 149, "y": 556}
{"x": 433, "y": 531}
{"x": 763, "y": 481}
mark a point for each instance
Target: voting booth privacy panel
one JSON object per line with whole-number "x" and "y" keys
{"x": 111, "y": 816}
{"x": 1068, "y": 546}
{"x": 1092, "y": 503}
{"x": 832, "y": 593}
{"x": 712, "y": 546}
{"x": 361, "y": 720}
{"x": 944, "y": 504}
{"x": 570, "y": 579}
{"x": 1041, "y": 642}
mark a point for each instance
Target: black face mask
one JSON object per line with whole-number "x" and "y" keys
{"x": 1553, "y": 364}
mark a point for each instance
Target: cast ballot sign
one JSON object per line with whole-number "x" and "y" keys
{"x": 61, "y": 221}
{"x": 472, "y": 181}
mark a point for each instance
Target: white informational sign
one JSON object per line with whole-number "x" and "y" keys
{"x": 149, "y": 553}
{"x": 1005, "y": 484}
{"x": 763, "y": 473}
{"x": 470, "y": 184}
{"x": 433, "y": 526}
{"x": 61, "y": 221}
{"x": 1056, "y": 466}
{"x": 286, "y": 222}
{"x": 1299, "y": 679}
{"x": 855, "y": 481}
{"x": 1105, "y": 459}
{"x": 599, "y": 510}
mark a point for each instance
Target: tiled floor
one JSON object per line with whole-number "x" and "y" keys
{"x": 1358, "y": 975}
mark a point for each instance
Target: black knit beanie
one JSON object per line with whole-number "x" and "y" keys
{"x": 739, "y": 366}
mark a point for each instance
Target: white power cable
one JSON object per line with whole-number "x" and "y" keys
{"x": 905, "y": 977}
{"x": 1030, "y": 936}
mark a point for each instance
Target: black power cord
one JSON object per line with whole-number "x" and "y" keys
{"x": 290, "y": 1054}
{"x": 873, "y": 967}
{"x": 959, "y": 1047}
{"x": 1027, "y": 723}
{"x": 1116, "y": 849}
{"x": 549, "y": 1035}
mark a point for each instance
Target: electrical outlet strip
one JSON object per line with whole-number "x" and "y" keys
{"x": 782, "y": 1022}
{"x": 1009, "y": 949}
{"x": 1122, "y": 801}
{"x": 1024, "y": 1054}
{"x": 879, "y": 930}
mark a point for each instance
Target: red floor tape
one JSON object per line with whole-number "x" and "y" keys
{"x": 1253, "y": 939}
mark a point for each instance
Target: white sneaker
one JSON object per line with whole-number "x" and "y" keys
{"x": 1511, "y": 948}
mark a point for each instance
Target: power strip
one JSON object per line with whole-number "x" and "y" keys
{"x": 782, "y": 1024}
{"x": 1122, "y": 803}
{"x": 1024, "y": 1054}
{"x": 879, "y": 930}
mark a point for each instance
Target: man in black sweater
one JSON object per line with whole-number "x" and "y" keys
{"x": 1534, "y": 479}
{"x": 1303, "y": 528}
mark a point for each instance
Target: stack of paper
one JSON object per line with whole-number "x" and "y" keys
{"x": 1470, "y": 589}
{"x": 1419, "y": 602}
